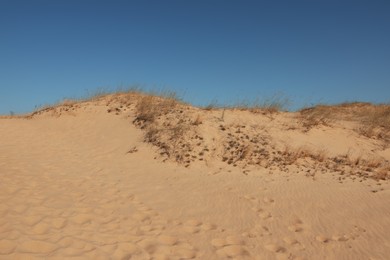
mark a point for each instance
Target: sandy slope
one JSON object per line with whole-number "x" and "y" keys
{"x": 70, "y": 189}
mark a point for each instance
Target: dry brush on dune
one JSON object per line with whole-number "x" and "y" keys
{"x": 242, "y": 145}
{"x": 167, "y": 125}
{"x": 187, "y": 134}
{"x": 372, "y": 121}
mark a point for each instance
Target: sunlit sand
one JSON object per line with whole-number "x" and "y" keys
{"x": 91, "y": 180}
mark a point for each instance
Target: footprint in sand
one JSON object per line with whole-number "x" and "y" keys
{"x": 150, "y": 230}
{"x": 268, "y": 200}
{"x": 192, "y": 226}
{"x": 232, "y": 251}
{"x": 295, "y": 228}
{"x": 357, "y": 231}
{"x": 296, "y": 225}
{"x": 251, "y": 198}
{"x": 265, "y": 230}
{"x": 322, "y": 238}
{"x": 166, "y": 247}
{"x": 184, "y": 252}
{"x": 231, "y": 246}
{"x": 167, "y": 240}
{"x": 258, "y": 230}
{"x": 265, "y": 215}
{"x": 275, "y": 248}
{"x": 208, "y": 227}
{"x": 290, "y": 241}
{"x": 218, "y": 242}
{"x": 257, "y": 209}
{"x": 191, "y": 229}
{"x": 293, "y": 242}
{"x": 340, "y": 237}
{"x": 146, "y": 229}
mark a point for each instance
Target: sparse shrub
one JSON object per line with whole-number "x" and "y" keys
{"x": 151, "y": 134}
{"x": 315, "y": 116}
{"x": 375, "y": 122}
{"x": 178, "y": 130}
{"x": 383, "y": 173}
{"x": 97, "y": 93}
{"x": 244, "y": 152}
{"x": 373, "y": 162}
{"x": 212, "y": 105}
{"x": 291, "y": 155}
{"x": 166, "y": 124}
{"x": 150, "y": 107}
{"x": 274, "y": 104}
{"x": 270, "y": 105}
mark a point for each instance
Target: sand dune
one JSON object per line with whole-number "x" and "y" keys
{"x": 91, "y": 180}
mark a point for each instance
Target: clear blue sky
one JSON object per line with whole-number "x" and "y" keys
{"x": 311, "y": 51}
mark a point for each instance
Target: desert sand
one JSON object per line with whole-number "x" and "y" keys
{"x": 99, "y": 179}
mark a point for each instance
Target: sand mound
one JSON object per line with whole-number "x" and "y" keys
{"x": 130, "y": 176}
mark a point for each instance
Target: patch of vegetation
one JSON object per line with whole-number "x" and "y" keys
{"x": 274, "y": 104}
{"x": 166, "y": 124}
{"x": 315, "y": 116}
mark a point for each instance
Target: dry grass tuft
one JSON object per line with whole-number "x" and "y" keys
{"x": 383, "y": 173}
{"x": 315, "y": 116}
{"x": 150, "y": 107}
{"x": 291, "y": 155}
{"x": 212, "y": 105}
{"x": 166, "y": 125}
{"x": 375, "y": 122}
{"x": 373, "y": 162}
{"x": 274, "y": 104}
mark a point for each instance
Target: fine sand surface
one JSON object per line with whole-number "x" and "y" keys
{"x": 84, "y": 185}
